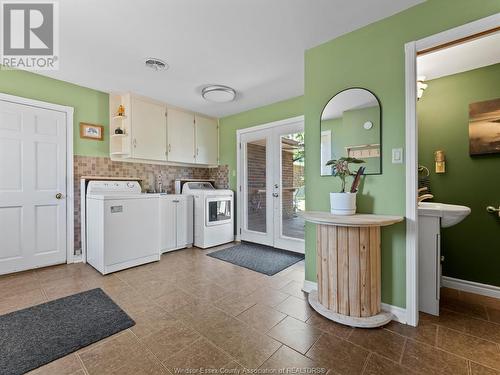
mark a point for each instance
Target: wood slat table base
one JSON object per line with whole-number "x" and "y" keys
{"x": 348, "y": 267}
{"x": 382, "y": 318}
{"x": 348, "y": 270}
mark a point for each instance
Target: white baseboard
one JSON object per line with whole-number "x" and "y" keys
{"x": 77, "y": 258}
{"x": 398, "y": 312}
{"x": 309, "y": 286}
{"x": 471, "y": 287}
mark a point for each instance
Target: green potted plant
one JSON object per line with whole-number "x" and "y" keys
{"x": 344, "y": 202}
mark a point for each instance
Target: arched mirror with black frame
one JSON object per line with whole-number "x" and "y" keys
{"x": 351, "y": 126}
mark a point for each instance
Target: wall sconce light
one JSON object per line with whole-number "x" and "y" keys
{"x": 421, "y": 86}
{"x": 440, "y": 160}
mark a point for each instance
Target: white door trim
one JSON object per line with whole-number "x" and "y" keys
{"x": 70, "y": 224}
{"x": 411, "y": 147}
{"x": 411, "y": 157}
{"x": 239, "y": 169}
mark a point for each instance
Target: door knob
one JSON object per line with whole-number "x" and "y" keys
{"x": 275, "y": 195}
{"x": 59, "y": 196}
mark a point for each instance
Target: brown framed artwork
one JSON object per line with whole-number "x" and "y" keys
{"x": 91, "y": 131}
{"x": 484, "y": 127}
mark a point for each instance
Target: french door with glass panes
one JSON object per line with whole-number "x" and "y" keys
{"x": 271, "y": 186}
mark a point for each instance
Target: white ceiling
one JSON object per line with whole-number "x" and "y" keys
{"x": 348, "y": 100}
{"x": 255, "y": 46}
{"x": 460, "y": 58}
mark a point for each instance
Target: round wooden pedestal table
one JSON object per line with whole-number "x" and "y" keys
{"x": 348, "y": 268}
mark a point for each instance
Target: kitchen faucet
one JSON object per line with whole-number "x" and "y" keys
{"x": 159, "y": 183}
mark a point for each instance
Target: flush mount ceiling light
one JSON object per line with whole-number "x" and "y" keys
{"x": 218, "y": 93}
{"x": 156, "y": 64}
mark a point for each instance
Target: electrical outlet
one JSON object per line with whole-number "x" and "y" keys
{"x": 397, "y": 156}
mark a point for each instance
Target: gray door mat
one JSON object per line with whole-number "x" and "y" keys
{"x": 37, "y": 335}
{"x": 264, "y": 259}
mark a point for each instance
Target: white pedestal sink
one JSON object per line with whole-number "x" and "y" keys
{"x": 450, "y": 214}
{"x": 431, "y": 218}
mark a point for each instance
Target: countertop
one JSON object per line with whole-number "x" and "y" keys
{"x": 357, "y": 220}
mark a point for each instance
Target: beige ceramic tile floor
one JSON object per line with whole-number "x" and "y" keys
{"x": 193, "y": 311}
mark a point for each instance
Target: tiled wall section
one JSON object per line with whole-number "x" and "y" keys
{"x": 105, "y": 167}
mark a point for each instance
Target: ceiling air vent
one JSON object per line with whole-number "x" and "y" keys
{"x": 156, "y": 64}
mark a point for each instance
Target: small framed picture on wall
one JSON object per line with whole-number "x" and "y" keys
{"x": 91, "y": 131}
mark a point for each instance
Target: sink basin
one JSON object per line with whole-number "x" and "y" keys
{"x": 450, "y": 214}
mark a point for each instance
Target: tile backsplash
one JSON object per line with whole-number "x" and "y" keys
{"x": 105, "y": 167}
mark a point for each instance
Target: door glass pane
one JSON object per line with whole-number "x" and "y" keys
{"x": 292, "y": 185}
{"x": 256, "y": 185}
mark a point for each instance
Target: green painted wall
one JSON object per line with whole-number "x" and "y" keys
{"x": 373, "y": 58}
{"x": 90, "y": 105}
{"x": 269, "y": 113}
{"x": 348, "y": 131}
{"x": 471, "y": 247}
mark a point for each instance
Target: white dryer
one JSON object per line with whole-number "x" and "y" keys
{"x": 123, "y": 225}
{"x": 213, "y": 213}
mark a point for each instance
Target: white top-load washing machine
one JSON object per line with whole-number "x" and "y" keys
{"x": 123, "y": 225}
{"x": 213, "y": 213}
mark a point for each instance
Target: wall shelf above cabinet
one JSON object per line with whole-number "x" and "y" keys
{"x": 119, "y": 144}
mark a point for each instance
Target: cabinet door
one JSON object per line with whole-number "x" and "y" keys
{"x": 149, "y": 137}
{"x": 180, "y": 126}
{"x": 429, "y": 244}
{"x": 207, "y": 140}
{"x": 184, "y": 221}
{"x": 167, "y": 223}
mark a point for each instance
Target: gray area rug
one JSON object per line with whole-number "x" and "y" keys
{"x": 264, "y": 259}
{"x": 32, "y": 337}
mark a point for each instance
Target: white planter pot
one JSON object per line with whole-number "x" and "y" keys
{"x": 343, "y": 203}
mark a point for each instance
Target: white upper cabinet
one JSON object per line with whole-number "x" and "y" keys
{"x": 143, "y": 129}
{"x": 180, "y": 125}
{"x": 207, "y": 140}
{"x": 149, "y": 133}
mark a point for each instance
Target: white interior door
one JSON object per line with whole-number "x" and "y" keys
{"x": 32, "y": 187}
{"x": 272, "y": 186}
